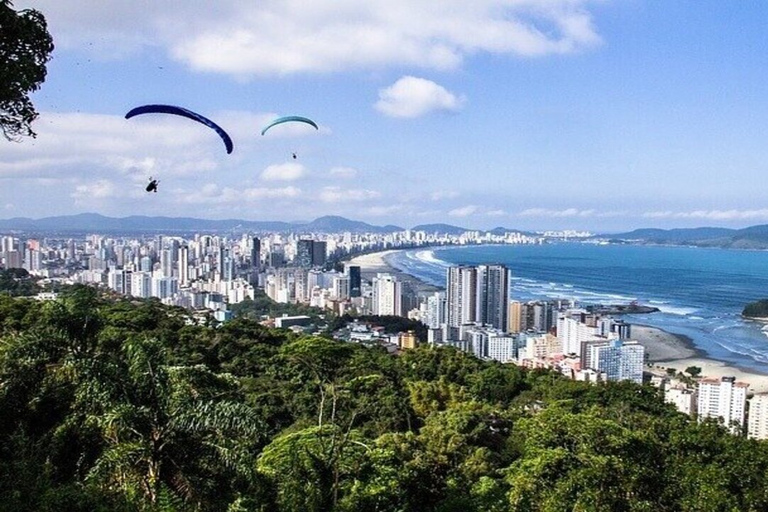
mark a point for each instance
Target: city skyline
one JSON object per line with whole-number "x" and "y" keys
{"x": 581, "y": 114}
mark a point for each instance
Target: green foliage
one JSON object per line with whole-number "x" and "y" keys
{"x": 391, "y": 324}
{"x": 17, "y": 282}
{"x": 758, "y": 309}
{"x": 262, "y": 305}
{"x": 128, "y": 405}
{"x": 693, "y": 371}
{"x": 25, "y": 48}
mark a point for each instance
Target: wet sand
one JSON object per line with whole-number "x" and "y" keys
{"x": 375, "y": 263}
{"x": 666, "y": 350}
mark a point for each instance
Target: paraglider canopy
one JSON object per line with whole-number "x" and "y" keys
{"x": 288, "y": 119}
{"x": 180, "y": 111}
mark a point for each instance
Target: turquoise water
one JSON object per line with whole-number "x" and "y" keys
{"x": 700, "y": 292}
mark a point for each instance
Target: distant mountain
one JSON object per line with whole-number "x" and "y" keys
{"x": 446, "y": 229}
{"x": 753, "y": 237}
{"x": 336, "y": 224}
{"x": 501, "y": 231}
{"x": 449, "y": 229}
{"x": 94, "y": 222}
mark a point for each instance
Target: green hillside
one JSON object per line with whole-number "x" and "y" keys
{"x": 125, "y": 405}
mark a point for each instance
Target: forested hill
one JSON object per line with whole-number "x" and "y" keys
{"x": 753, "y": 237}
{"x": 123, "y": 406}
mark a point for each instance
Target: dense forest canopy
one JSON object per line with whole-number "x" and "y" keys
{"x": 128, "y": 405}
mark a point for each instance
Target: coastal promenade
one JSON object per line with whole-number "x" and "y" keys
{"x": 664, "y": 349}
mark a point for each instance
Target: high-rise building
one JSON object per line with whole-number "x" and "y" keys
{"x": 757, "y": 425}
{"x": 255, "y": 253}
{"x": 319, "y": 253}
{"x": 574, "y": 334}
{"x": 683, "y": 399}
{"x": 141, "y": 284}
{"x": 355, "y": 289}
{"x": 387, "y": 295}
{"x": 461, "y": 295}
{"x": 434, "y": 316}
{"x": 341, "y": 287}
{"x": 725, "y": 399}
{"x": 544, "y": 316}
{"x": 617, "y": 359}
{"x": 492, "y": 295}
{"x": 514, "y": 318}
{"x": 304, "y": 251}
{"x": 183, "y": 265}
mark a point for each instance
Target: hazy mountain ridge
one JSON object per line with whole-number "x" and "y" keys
{"x": 753, "y": 237}
{"x": 142, "y": 223}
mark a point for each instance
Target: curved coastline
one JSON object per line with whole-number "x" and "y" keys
{"x": 665, "y": 349}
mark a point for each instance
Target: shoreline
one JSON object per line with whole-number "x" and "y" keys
{"x": 376, "y": 263}
{"x": 665, "y": 349}
{"x": 669, "y": 350}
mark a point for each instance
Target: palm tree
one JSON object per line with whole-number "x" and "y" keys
{"x": 168, "y": 430}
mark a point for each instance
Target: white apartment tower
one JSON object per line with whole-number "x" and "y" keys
{"x": 683, "y": 399}
{"x": 757, "y": 425}
{"x": 617, "y": 359}
{"x": 461, "y": 295}
{"x": 572, "y": 334}
{"x": 387, "y": 295}
{"x": 724, "y": 398}
{"x": 183, "y": 265}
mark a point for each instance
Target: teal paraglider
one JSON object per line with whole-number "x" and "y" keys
{"x": 288, "y": 119}
{"x": 180, "y": 111}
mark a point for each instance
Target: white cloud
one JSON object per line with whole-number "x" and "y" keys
{"x": 496, "y": 213}
{"x": 710, "y": 214}
{"x": 545, "y": 212}
{"x": 413, "y": 97}
{"x": 382, "y": 211}
{"x": 213, "y": 194}
{"x": 78, "y": 143}
{"x": 283, "y": 172}
{"x": 464, "y": 211}
{"x": 339, "y": 194}
{"x": 443, "y": 194}
{"x": 98, "y": 189}
{"x": 343, "y": 172}
{"x": 245, "y": 38}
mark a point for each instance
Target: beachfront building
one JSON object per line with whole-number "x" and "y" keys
{"x": 725, "y": 399}
{"x": 514, "y": 317}
{"x": 573, "y": 334}
{"x": 461, "y": 295}
{"x": 618, "y": 360}
{"x": 757, "y": 425}
{"x": 387, "y": 295}
{"x": 492, "y": 301}
{"x": 484, "y": 342}
{"x": 684, "y": 399}
{"x": 477, "y": 295}
{"x": 434, "y": 310}
{"x": 540, "y": 347}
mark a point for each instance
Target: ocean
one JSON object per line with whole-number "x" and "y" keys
{"x": 700, "y": 292}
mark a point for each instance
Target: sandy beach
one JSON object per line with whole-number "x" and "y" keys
{"x": 375, "y": 263}
{"x": 665, "y": 350}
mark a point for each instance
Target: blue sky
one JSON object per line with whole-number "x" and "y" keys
{"x": 535, "y": 114}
